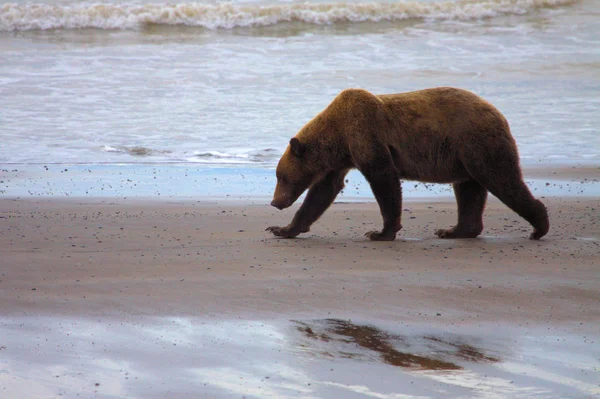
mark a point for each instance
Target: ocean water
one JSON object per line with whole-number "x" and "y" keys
{"x": 228, "y": 83}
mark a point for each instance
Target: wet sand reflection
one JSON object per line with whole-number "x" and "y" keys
{"x": 153, "y": 357}
{"x": 418, "y": 352}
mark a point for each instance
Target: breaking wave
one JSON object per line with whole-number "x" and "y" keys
{"x": 18, "y": 17}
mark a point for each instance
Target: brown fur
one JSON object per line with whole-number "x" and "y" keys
{"x": 440, "y": 135}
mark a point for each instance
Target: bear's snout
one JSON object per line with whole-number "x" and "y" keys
{"x": 276, "y": 205}
{"x": 280, "y": 204}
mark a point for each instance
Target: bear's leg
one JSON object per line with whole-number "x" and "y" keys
{"x": 516, "y": 196}
{"x": 386, "y": 188}
{"x": 508, "y": 186}
{"x": 319, "y": 197}
{"x": 470, "y": 197}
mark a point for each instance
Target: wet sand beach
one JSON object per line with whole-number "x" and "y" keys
{"x": 167, "y": 298}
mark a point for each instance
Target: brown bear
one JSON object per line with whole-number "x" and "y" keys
{"x": 439, "y": 135}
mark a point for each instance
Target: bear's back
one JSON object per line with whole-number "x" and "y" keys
{"x": 442, "y": 110}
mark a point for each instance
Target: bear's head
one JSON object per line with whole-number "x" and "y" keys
{"x": 296, "y": 171}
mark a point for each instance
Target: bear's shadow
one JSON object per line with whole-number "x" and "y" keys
{"x": 483, "y": 242}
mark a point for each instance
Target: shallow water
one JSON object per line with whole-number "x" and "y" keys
{"x": 213, "y": 83}
{"x": 326, "y": 358}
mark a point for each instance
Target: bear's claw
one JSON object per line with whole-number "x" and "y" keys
{"x": 283, "y": 232}
{"x": 441, "y": 233}
{"x": 536, "y": 235}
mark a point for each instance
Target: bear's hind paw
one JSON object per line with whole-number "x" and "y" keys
{"x": 536, "y": 235}
{"x": 380, "y": 236}
{"x": 457, "y": 233}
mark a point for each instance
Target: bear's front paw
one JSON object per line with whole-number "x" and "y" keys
{"x": 284, "y": 232}
{"x": 380, "y": 236}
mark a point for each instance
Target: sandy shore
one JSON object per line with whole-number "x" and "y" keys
{"x": 203, "y": 273}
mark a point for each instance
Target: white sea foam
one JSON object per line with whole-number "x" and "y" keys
{"x": 135, "y": 150}
{"x": 265, "y": 156}
{"x": 18, "y": 17}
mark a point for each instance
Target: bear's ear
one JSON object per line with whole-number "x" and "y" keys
{"x": 297, "y": 147}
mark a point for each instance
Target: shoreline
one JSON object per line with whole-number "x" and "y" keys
{"x": 240, "y": 183}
